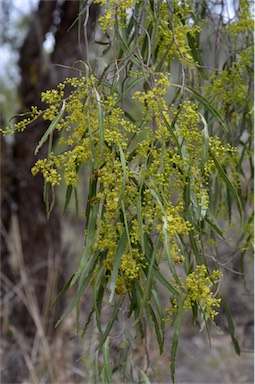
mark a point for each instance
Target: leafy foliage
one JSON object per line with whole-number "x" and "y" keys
{"x": 160, "y": 177}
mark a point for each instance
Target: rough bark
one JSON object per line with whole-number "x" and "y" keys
{"x": 37, "y": 265}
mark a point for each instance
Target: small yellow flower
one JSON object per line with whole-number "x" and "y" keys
{"x": 198, "y": 286}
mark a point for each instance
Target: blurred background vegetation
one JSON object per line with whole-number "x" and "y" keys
{"x": 38, "y": 255}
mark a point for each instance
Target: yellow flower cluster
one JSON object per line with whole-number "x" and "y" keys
{"x": 129, "y": 265}
{"x": 228, "y": 87}
{"x": 115, "y": 9}
{"x": 245, "y": 21}
{"x": 199, "y": 293}
{"x": 227, "y": 156}
{"x": 122, "y": 287}
{"x": 175, "y": 222}
{"x": 23, "y": 122}
{"x": 68, "y": 162}
{"x": 136, "y": 192}
{"x": 172, "y": 34}
{"x": 48, "y": 170}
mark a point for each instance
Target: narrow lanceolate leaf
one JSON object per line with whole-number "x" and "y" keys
{"x": 160, "y": 337}
{"x": 209, "y": 219}
{"x": 157, "y": 198}
{"x": 168, "y": 251}
{"x": 165, "y": 282}
{"x": 229, "y": 185}
{"x": 69, "y": 191}
{"x": 205, "y": 142}
{"x": 76, "y": 199}
{"x": 107, "y": 370}
{"x": 125, "y": 47}
{"x": 231, "y": 327}
{"x": 97, "y": 367}
{"x": 119, "y": 253}
{"x": 51, "y": 128}
{"x": 206, "y": 104}
{"x": 149, "y": 278}
{"x": 171, "y": 130}
{"x": 175, "y": 341}
{"x": 82, "y": 287}
{"x": 100, "y": 117}
{"x": 196, "y": 54}
{"x": 89, "y": 242}
{"x": 49, "y": 197}
{"x": 194, "y": 246}
{"x": 140, "y": 220}
{"x": 63, "y": 290}
{"x": 123, "y": 164}
{"x": 144, "y": 377}
{"x": 98, "y": 293}
{"x": 129, "y": 87}
{"x": 160, "y": 311}
{"x": 111, "y": 321}
{"x": 126, "y": 224}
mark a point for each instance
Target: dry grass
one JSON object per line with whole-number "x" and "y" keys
{"x": 68, "y": 359}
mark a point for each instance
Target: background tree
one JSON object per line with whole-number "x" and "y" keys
{"x": 157, "y": 149}
{"x": 33, "y": 239}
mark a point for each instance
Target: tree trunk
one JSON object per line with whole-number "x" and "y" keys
{"x": 31, "y": 243}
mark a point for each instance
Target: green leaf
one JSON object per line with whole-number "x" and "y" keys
{"x": 82, "y": 287}
{"x": 126, "y": 225}
{"x": 49, "y": 197}
{"x": 149, "y": 278}
{"x": 63, "y": 290}
{"x": 206, "y": 104}
{"x": 91, "y": 225}
{"x": 229, "y": 185}
{"x": 212, "y": 223}
{"x": 76, "y": 198}
{"x": 160, "y": 338}
{"x": 111, "y": 321}
{"x": 163, "y": 57}
{"x": 97, "y": 367}
{"x": 194, "y": 247}
{"x": 129, "y": 87}
{"x": 171, "y": 131}
{"x": 135, "y": 296}
{"x": 92, "y": 144}
{"x": 92, "y": 193}
{"x": 157, "y": 198}
{"x": 126, "y": 48}
{"x": 196, "y": 54}
{"x": 107, "y": 369}
{"x": 144, "y": 377}
{"x": 175, "y": 341}
{"x": 117, "y": 258}
{"x": 231, "y": 327}
{"x": 100, "y": 118}
{"x": 139, "y": 218}
{"x": 98, "y": 294}
{"x": 123, "y": 165}
{"x": 205, "y": 142}
{"x": 51, "y": 128}
{"x": 158, "y": 276}
{"x": 160, "y": 315}
{"x": 168, "y": 251}
{"x": 89, "y": 317}
{"x": 69, "y": 191}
